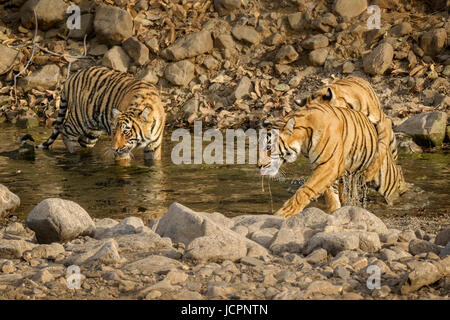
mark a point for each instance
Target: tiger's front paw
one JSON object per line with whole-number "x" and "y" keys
{"x": 288, "y": 210}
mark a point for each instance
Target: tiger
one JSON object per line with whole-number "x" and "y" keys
{"x": 99, "y": 100}
{"x": 337, "y": 141}
{"x": 356, "y": 93}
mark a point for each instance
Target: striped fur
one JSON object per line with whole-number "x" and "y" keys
{"x": 99, "y": 100}
{"x": 337, "y": 141}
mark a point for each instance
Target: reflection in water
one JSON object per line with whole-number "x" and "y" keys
{"x": 106, "y": 189}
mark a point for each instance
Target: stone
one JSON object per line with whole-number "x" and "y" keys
{"x": 95, "y": 252}
{"x": 48, "y": 13}
{"x": 350, "y": 217}
{"x": 315, "y": 42}
{"x": 14, "y": 249}
{"x": 112, "y": 25}
{"x": 286, "y": 55}
{"x": 297, "y": 21}
{"x": 176, "y": 276}
{"x": 211, "y": 63}
{"x": 86, "y": 27}
{"x": 43, "y": 276}
{"x": 333, "y": 242}
{"x": 185, "y": 294}
{"x": 341, "y": 272}
{"x": 424, "y": 273}
{"x": 433, "y": 42}
{"x": 349, "y": 8}
{"x": 417, "y": 246}
{"x": 379, "y": 60}
{"x": 130, "y": 225}
{"x": 180, "y": 73}
{"x": 348, "y": 67}
{"x": 225, "y": 41}
{"x": 369, "y": 241}
{"x": 323, "y": 287}
{"x": 317, "y": 256}
{"x": 406, "y": 236}
{"x": 224, "y": 7}
{"x": 152, "y": 44}
{"x": 136, "y": 50}
{"x": 401, "y": 29}
{"x": 427, "y": 129}
{"x": 8, "y": 267}
{"x": 44, "y": 78}
{"x": 189, "y": 46}
{"x": 317, "y": 57}
{"x": 56, "y": 220}
{"x": 242, "y": 89}
{"x": 246, "y": 33}
{"x": 148, "y": 74}
{"x": 152, "y": 264}
{"x": 190, "y": 107}
{"x": 443, "y": 237}
{"x": 7, "y": 58}
{"x": 47, "y": 251}
{"x": 147, "y": 241}
{"x": 395, "y": 253}
{"x": 8, "y": 200}
{"x": 116, "y": 58}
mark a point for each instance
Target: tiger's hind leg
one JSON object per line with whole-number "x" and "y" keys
{"x": 332, "y": 197}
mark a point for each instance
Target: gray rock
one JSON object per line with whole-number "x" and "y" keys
{"x": 148, "y": 74}
{"x": 246, "y": 33}
{"x": 407, "y": 236}
{"x": 100, "y": 252}
{"x": 152, "y": 264}
{"x": 46, "y": 77}
{"x": 211, "y": 63}
{"x": 112, "y": 25}
{"x": 424, "y": 273}
{"x": 322, "y": 287}
{"x": 147, "y": 241}
{"x": 315, "y": 42}
{"x": 224, "y": 7}
{"x": 180, "y": 73}
{"x": 445, "y": 251}
{"x": 86, "y": 27}
{"x": 317, "y": 256}
{"x": 152, "y": 44}
{"x": 286, "y": 55}
{"x": 390, "y": 237}
{"x": 48, "y": 12}
{"x": 190, "y": 107}
{"x": 130, "y": 225}
{"x": 333, "y": 242}
{"x": 13, "y": 249}
{"x": 103, "y": 225}
{"x": 136, "y": 50}
{"x": 8, "y": 200}
{"x": 264, "y": 237}
{"x": 401, "y": 29}
{"x": 350, "y": 217}
{"x": 427, "y": 129}
{"x": 417, "y": 246}
{"x": 341, "y": 272}
{"x": 369, "y": 241}
{"x": 116, "y": 58}
{"x": 297, "y": 21}
{"x": 55, "y": 220}
{"x": 190, "y": 46}
{"x": 47, "y": 251}
{"x": 43, "y": 276}
{"x": 379, "y": 60}
{"x": 392, "y": 254}
{"x": 443, "y": 237}
{"x": 434, "y": 41}
{"x": 348, "y": 67}
{"x": 7, "y": 58}
{"x": 257, "y": 222}
{"x": 225, "y": 41}
{"x": 349, "y": 8}
{"x": 317, "y": 57}
{"x": 243, "y": 88}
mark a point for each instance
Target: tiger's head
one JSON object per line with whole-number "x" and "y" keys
{"x": 128, "y": 130}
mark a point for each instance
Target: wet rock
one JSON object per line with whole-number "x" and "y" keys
{"x": 246, "y": 33}
{"x": 317, "y": 57}
{"x": 424, "y": 273}
{"x": 433, "y": 42}
{"x": 401, "y": 29}
{"x": 286, "y": 55}
{"x": 48, "y": 12}
{"x": 243, "y": 89}
{"x": 116, "y": 58}
{"x": 152, "y": 264}
{"x": 350, "y": 217}
{"x": 443, "y": 237}
{"x": 86, "y": 27}
{"x": 112, "y": 25}
{"x": 180, "y": 73}
{"x": 8, "y": 201}
{"x": 315, "y": 42}
{"x": 13, "y": 249}
{"x": 7, "y": 58}
{"x": 224, "y": 7}
{"x": 46, "y": 77}
{"x": 418, "y": 246}
{"x": 136, "y": 50}
{"x": 55, "y": 220}
{"x": 190, "y": 46}
{"x": 349, "y": 8}
{"x": 427, "y": 129}
{"x": 379, "y": 60}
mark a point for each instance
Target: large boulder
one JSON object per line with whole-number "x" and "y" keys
{"x": 434, "y": 41}
{"x": 116, "y": 58}
{"x": 356, "y": 218}
{"x": 8, "y": 200}
{"x": 443, "y": 237}
{"x": 190, "y": 46}
{"x": 57, "y": 220}
{"x": 136, "y": 50}
{"x": 7, "y": 58}
{"x": 44, "y": 78}
{"x": 180, "y": 73}
{"x": 48, "y": 13}
{"x": 427, "y": 129}
{"x": 379, "y": 60}
{"x": 112, "y": 25}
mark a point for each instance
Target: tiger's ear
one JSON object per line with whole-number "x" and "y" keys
{"x": 329, "y": 95}
{"x": 145, "y": 113}
{"x": 289, "y": 127}
{"x": 115, "y": 113}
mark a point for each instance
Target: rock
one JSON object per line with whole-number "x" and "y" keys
{"x": 264, "y": 237}
{"x": 7, "y": 58}
{"x": 349, "y": 8}
{"x": 286, "y": 55}
{"x": 152, "y": 264}
{"x": 211, "y": 63}
{"x": 55, "y": 220}
{"x": 13, "y": 249}
{"x": 147, "y": 241}
{"x": 424, "y": 273}
{"x": 417, "y": 246}
{"x": 348, "y": 67}
{"x": 185, "y": 294}
{"x": 44, "y": 78}
{"x": 47, "y": 251}
{"x": 136, "y": 50}
{"x": 48, "y": 13}
{"x": 8, "y": 267}
{"x": 317, "y": 256}
{"x": 98, "y": 252}
{"x": 350, "y": 217}
{"x": 180, "y": 73}
{"x": 427, "y": 129}
{"x": 443, "y": 237}
{"x": 86, "y": 27}
{"x": 225, "y": 41}
{"x": 433, "y": 42}
{"x": 406, "y": 236}
{"x": 117, "y": 59}
{"x": 130, "y": 225}
{"x": 392, "y": 254}
{"x": 190, "y": 46}
{"x": 369, "y": 241}
{"x": 297, "y": 21}
{"x": 323, "y": 288}
{"x": 390, "y": 237}
{"x": 224, "y": 7}
{"x": 317, "y": 57}
{"x": 112, "y": 25}
{"x": 242, "y": 89}
{"x": 8, "y": 200}
{"x": 379, "y": 60}
{"x": 176, "y": 277}
{"x": 246, "y": 33}
{"x": 190, "y": 107}
{"x": 445, "y": 251}
{"x": 341, "y": 272}
{"x": 315, "y": 42}
{"x": 43, "y": 276}
{"x": 401, "y": 29}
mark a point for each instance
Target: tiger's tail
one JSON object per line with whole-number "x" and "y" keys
{"x": 59, "y": 121}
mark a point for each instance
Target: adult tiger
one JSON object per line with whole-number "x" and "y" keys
{"x": 337, "y": 141}
{"x": 356, "y": 93}
{"x": 99, "y": 100}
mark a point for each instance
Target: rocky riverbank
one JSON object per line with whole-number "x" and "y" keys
{"x": 349, "y": 254}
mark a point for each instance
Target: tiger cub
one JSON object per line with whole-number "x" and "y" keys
{"x": 99, "y": 100}
{"x": 356, "y": 93}
{"x": 337, "y": 141}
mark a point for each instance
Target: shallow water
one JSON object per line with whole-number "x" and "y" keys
{"x": 106, "y": 189}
